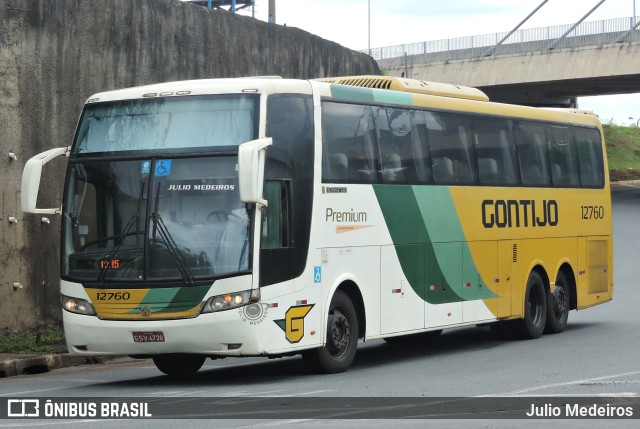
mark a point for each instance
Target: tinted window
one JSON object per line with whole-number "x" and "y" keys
{"x": 348, "y": 150}
{"x": 288, "y": 178}
{"x": 495, "y": 151}
{"x": 532, "y": 154}
{"x": 401, "y": 137}
{"x": 564, "y": 165}
{"x": 589, "y": 148}
{"x": 290, "y": 124}
{"x": 452, "y": 155}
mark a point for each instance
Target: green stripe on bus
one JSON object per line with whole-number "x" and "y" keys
{"x": 385, "y": 96}
{"x": 188, "y": 297}
{"x": 174, "y": 299}
{"x": 370, "y": 95}
{"x": 352, "y": 93}
{"x": 440, "y": 216}
{"x": 413, "y": 245}
{"x": 429, "y": 241}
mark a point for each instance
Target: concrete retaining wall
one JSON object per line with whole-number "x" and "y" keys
{"x": 55, "y": 53}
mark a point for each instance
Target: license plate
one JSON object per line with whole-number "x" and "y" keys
{"x": 148, "y": 337}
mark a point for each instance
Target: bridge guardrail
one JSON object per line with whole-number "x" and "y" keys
{"x": 525, "y": 40}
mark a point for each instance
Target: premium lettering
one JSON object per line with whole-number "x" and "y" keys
{"x": 347, "y": 216}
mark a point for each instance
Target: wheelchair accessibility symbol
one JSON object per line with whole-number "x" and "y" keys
{"x": 317, "y": 274}
{"x": 163, "y": 167}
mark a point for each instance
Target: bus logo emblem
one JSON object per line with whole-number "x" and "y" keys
{"x": 145, "y": 310}
{"x": 293, "y": 323}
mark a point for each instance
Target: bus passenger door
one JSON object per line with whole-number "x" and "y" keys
{"x": 402, "y": 288}
{"x": 443, "y": 282}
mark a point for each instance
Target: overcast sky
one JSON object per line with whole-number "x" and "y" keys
{"x": 395, "y": 22}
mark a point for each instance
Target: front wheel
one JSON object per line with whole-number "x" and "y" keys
{"x": 558, "y": 304}
{"x": 179, "y": 365}
{"x": 535, "y": 309}
{"x": 342, "y": 338}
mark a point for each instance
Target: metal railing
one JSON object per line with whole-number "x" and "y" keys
{"x": 525, "y": 40}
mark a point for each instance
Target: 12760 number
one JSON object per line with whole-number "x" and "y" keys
{"x": 113, "y": 296}
{"x": 592, "y": 212}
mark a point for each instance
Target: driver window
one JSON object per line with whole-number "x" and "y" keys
{"x": 275, "y": 218}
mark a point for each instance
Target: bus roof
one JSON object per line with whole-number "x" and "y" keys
{"x": 410, "y": 85}
{"x": 422, "y": 93}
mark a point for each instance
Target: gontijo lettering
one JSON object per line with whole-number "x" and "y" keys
{"x": 519, "y": 213}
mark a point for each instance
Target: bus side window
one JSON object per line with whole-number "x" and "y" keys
{"x": 495, "y": 151}
{"x": 532, "y": 154}
{"x": 419, "y": 146}
{"x": 451, "y": 148}
{"x": 564, "y": 168}
{"x": 348, "y": 129}
{"x": 290, "y": 124}
{"x": 589, "y": 148}
{"x": 394, "y": 131}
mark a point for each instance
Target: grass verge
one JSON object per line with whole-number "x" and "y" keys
{"x": 623, "y": 152}
{"x": 49, "y": 341}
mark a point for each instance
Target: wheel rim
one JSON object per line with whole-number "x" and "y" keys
{"x": 560, "y": 302}
{"x": 535, "y": 307}
{"x": 339, "y": 335}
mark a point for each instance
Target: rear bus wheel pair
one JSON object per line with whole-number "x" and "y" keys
{"x": 544, "y": 312}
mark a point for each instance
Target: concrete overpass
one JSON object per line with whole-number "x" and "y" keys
{"x": 533, "y": 67}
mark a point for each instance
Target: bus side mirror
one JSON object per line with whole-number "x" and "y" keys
{"x": 251, "y": 160}
{"x": 31, "y": 180}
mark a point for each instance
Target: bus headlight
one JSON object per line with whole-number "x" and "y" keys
{"x": 77, "y": 305}
{"x": 230, "y": 300}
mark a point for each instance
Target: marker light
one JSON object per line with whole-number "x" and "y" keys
{"x": 230, "y": 300}
{"x": 77, "y": 305}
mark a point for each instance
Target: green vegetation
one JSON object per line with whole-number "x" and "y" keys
{"x": 623, "y": 152}
{"x": 48, "y": 341}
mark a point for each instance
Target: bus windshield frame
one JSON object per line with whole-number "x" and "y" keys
{"x": 160, "y": 210}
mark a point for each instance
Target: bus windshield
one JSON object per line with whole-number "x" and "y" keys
{"x": 155, "y": 219}
{"x": 167, "y": 124}
{"x": 153, "y": 190}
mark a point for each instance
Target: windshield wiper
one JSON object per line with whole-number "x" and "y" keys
{"x": 172, "y": 247}
{"x": 104, "y": 269}
{"x": 113, "y": 237}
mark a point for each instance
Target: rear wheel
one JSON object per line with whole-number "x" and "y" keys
{"x": 179, "y": 365}
{"x": 535, "y": 309}
{"x": 558, "y": 304}
{"x": 342, "y": 338}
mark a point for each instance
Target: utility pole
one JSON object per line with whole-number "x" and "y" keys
{"x": 272, "y": 11}
{"x": 369, "y": 26}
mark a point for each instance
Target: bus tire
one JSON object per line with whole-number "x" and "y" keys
{"x": 342, "y": 338}
{"x": 179, "y": 365}
{"x": 535, "y": 309}
{"x": 558, "y": 304}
